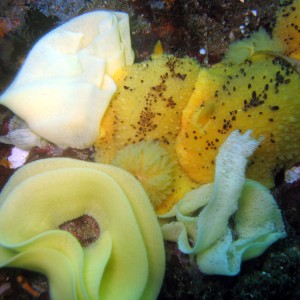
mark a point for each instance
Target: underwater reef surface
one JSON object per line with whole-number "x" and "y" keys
{"x": 200, "y": 29}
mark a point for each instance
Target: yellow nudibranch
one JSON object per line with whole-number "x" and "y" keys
{"x": 287, "y": 29}
{"x": 257, "y": 87}
{"x": 148, "y": 103}
{"x": 189, "y": 111}
{"x": 261, "y": 94}
{"x": 161, "y": 101}
{"x": 147, "y": 107}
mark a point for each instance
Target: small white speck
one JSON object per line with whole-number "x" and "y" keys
{"x": 247, "y": 21}
{"x": 242, "y": 29}
{"x": 254, "y": 12}
{"x": 292, "y": 175}
{"x": 231, "y": 36}
{"x": 17, "y": 158}
{"x": 202, "y": 51}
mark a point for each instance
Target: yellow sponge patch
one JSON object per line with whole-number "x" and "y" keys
{"x": 261, "y": 94}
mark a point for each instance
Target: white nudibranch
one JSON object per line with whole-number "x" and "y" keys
{"x": 64, "y": 87}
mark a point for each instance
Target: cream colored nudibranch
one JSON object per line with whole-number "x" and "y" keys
{"x": 64, "y": 87}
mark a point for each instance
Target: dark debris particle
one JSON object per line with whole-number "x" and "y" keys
{"x": 274, "y": 107}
